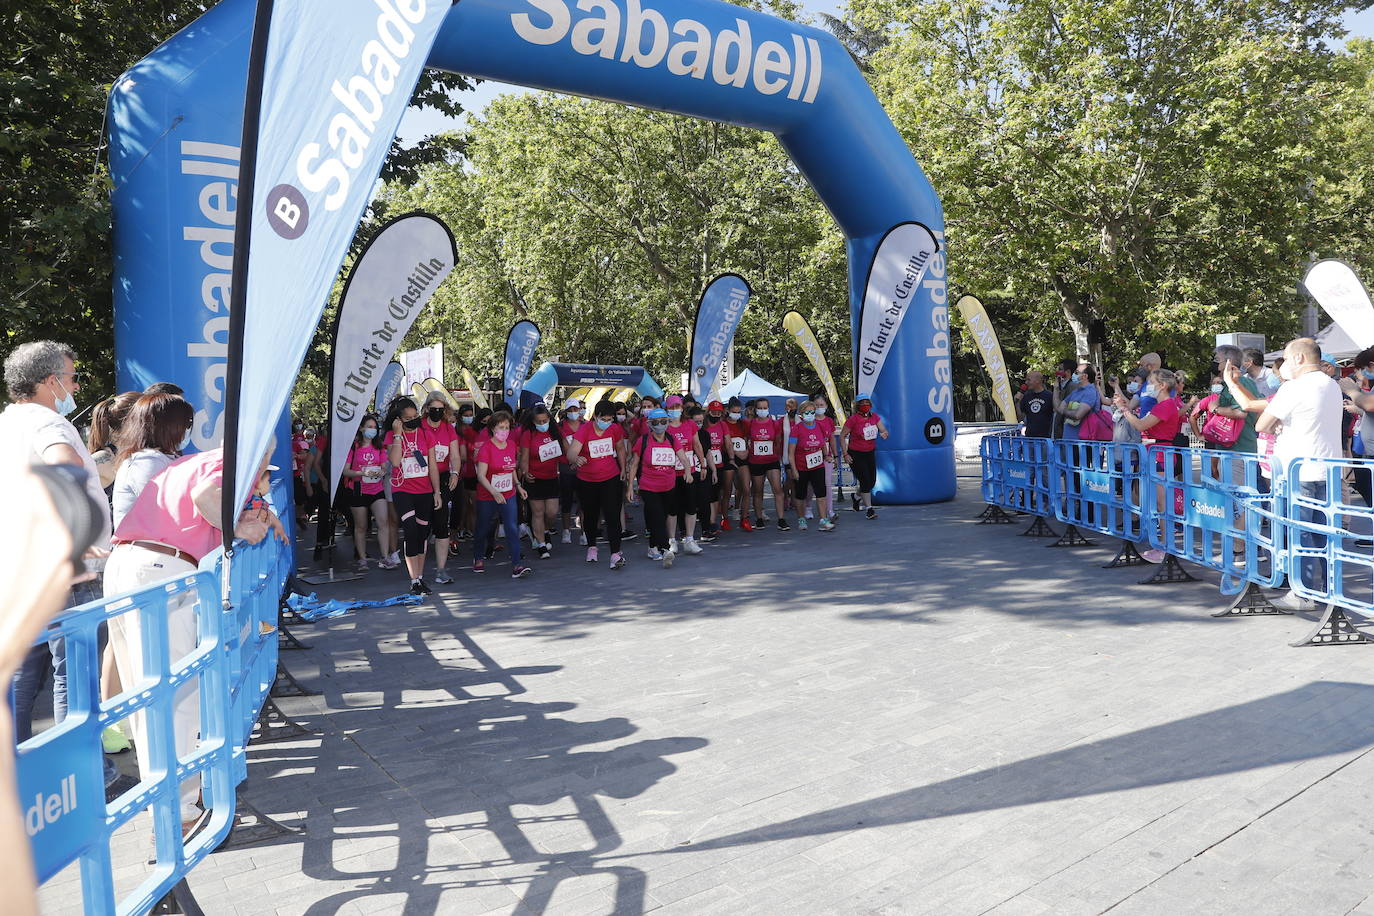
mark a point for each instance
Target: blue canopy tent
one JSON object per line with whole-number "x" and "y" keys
{"x": 749, "y": 386}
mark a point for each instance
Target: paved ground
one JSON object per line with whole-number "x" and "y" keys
{"x": 914, "y": 715}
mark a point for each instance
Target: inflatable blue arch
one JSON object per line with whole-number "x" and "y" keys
{"x": 175, "y": 122}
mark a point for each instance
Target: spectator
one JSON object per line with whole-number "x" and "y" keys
{"x": 170, "y": 528}
{"x": 156, "y": 432}
{"x": 1228, "y": 406}
{"x": 1309, "y": 409}
{"x": 1266, "y": 380}
{"x": 1063, "y": 372}
{"x": 1037, "y": 406}
{"x": 106, "y": 419}
{"x": 1078, "y": 398}
{"x": 1357, "y": 389}
{"x": 1159, "y": 427}
{"x": 165, "y": 388}
{"x": 42, "y": 382}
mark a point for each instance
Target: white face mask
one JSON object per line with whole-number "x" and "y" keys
{"x": 762, "y": 412}
{"x": 185, "y": 441}
{"x": 65, "y": 404}
{"x": 1216, "y": 389}
{"x": 1286, "y": 370}
{"x": 735, "y": 415}
{"x": 820, "y": 411}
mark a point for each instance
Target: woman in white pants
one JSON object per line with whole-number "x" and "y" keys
{"x": 171, "y": 526}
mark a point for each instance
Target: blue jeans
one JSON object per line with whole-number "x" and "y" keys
{"x": 488, "y": 511}
{"x": 48, "y": 657}
{"x": 1312, "y": 570}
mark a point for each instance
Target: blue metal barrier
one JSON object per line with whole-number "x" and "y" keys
{"x": 1096, "y": 486}
{"x": 1217, "y": 510}
{"x": 1324, "y": 534}
{"x": 60, "y": 779}
{"x": 1016, "y": 472}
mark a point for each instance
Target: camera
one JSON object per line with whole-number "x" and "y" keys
{"x": 83, "y": 516}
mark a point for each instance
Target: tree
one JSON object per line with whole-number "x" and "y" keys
{"x": 1156, "y": 164}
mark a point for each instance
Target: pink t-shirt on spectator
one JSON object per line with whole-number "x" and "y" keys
{"x": 657, "y": 464}
{"x": 165, "y": 511}
{"x": 600, "y": 451}
{"x": 501, "y": 463}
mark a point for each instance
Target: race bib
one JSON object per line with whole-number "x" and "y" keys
{"x": 410, "y": 468}
{"x": 763, "y": 448}
{"x": 870, "y": 432}
{"x": 662, "y": 457}
{"x": 503, "y": 483}
{"x": 814, "y": 460}
{"x": 737, "y": 444}
{"x": 372, "y": 472}
{"x": 600, "y": 448}
{"x": 550, "y": 450}
{"x": 441, "y": 453}
{"x": 716, "y": 457}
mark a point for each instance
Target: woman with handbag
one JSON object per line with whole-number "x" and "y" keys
{"x": 1159, "y": 427}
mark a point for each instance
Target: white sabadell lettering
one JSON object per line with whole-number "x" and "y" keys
{"x": 361, "y": 102}
{"x": 688, "y": 47}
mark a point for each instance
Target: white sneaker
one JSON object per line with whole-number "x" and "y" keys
{"x": 668, "y": 556}
{"x": 655, "y": 553}
{"x": 1291, "y": 602}
{"x": 525, "y": 533}
{"x": 690, "y": 546}
{"x": 674, "y": 545}
{"x": 394, "y": 558}
{"x": 584, "y": 539}
{"x": 809, "y": 514}
{"x": 567, "y": 536}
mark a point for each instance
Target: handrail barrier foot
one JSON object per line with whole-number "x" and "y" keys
{"x": 179, "y": 900}
{"x": 1169, "y": 571}
{"x": 1072, "y": 538}
{"x": 286, "y": 685}
{"x": 1126, "y": 556}
{"x": 260, "y": 830}
{"x": 275, "y": 725}
{"x": 1334, "y": 629}
{"x": 1039, "y": 529}
{"x": 994, "y": 515}
{"x": 1251, "y": 602}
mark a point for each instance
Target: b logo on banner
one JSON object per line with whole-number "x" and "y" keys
{"x": 287, "y": 212}
{"x": 935, "y": 430}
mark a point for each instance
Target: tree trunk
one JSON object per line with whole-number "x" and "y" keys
{"x": 1077, "y": 311}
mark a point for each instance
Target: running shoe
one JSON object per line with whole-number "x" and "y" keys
{"x": 826, "y": 525}
{"x": 725, "y": 524}
{"x": 629, "y": 535}
{"x": 783, "y": 526}
{"x": 744, "y": 523}
{"x": 706, "y": 537}
{"x": 443, "y": 578}
{"x": 674, "y": 545}
{"x": 387, "y": 563}
{"x": 871, "y": 513}
{"x": 543, "y": 551}
{"x": 567, "y": 536}
{"x": 584, "y": 539}
{"x": 690, "y": 546}
{"x": 655, "y": 553}
{"x": 418, "y": 587}
{"x": 617, "y": 560}
{"x": 810, "y": 514}
{"x": 362, "y": 564}
{"x": 112, "y": 741}
{"x": 591, "y": 554}
{"x": 525, "y": 532}
{"x": 395, "y": 558}
{"x": 479, "y": 566}
{"x": 519, "y": 572}
{"x": 668, "y": 557}
{"x": 801, "y": 523}
{"x": 1153, "y": 555}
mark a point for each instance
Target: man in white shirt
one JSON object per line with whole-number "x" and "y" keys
{"x": 1309, "y": 408}
{"x": 42, "y": 382}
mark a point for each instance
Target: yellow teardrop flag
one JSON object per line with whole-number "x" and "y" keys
{"x": 797, "y": 328}
{"x": 980, "y": 326}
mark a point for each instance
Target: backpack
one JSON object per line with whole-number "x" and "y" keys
{"x": 1096, "y": 426}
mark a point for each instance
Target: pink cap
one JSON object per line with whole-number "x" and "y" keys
{"x": 673, "y": 401}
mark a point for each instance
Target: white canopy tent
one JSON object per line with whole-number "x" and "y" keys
{"x": 748, "y": 385}
{"x": 1332, "y": 340}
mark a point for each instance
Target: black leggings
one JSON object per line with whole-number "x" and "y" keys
{"x": 865, "y": 467}
{"x": 813, "y": 480}
{"x": 414, "y": 511}
{"x": 439, "y": 519}
{"x": 656, "y": 516}
{"x": 601, "y": 500}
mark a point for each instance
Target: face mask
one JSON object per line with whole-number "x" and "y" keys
{"x": 864, "y": 409}
{"x": 602, "y": 423}
{"x": 412, "y": 423}
{"x": 1151, "y": 392}
{"x": 1367, "y": 374}
{"x": 1216, "y": 389}
{"x": 467, "y": 420}
{"x": 809, "y": 417}
{"x": 699, "y": 421}
{"x": 735, "y": 415}
{"x": 762, "y": 412}
{"x": 309, "y": 434}
{"x": 542, "y": 427}
{"x": 1132, "y": 387}
{"x": 1075, "y": 379}
{"x": 185, "y": 441}
{"x": 436, "y": 414}
{"x": 645, "y": 408}
{"x": 658, "y": 426}
{"x": 297, "y": 428}
{"x": 370, "y": 432}
{"x": 621, "y": 417}
{"x": 674, "y": 413}
{"x": 820, "y": 411}
{"x": 500, "y": 433}
{"x": 1286, "y": 371}
{"x": 574, "y": 415}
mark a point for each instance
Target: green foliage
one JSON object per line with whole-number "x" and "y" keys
{"x": 1161, "y": 165}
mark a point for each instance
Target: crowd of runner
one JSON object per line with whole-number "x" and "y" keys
{"x": 424, "y": 472}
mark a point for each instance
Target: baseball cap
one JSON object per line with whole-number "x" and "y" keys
{"x": 672, "y": 401}
{"x": 864, "y": 397}
{"x": 715, "y": 405}
{"x": 658, "y": 413}
{"x": 570, "y": 403}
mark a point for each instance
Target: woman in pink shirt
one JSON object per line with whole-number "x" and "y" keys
{"x": 653, "y": 462}
{"x": 175, "y": 522}
{"x": 765, "y": 449}
{"x": 567, "y": 476}
{"x": 829, "y": 426}
{"x": 682, "y": 513}
{"x": 498, "y": 460}
{"x": 598, "y": 455}
{"x": 465, "y": 500}
{"x": 808, "y": 453}
{"x": 541, "y": 452}
{"x": 364, "y": 472}
{"x": 414, "y": 485}
{"x": 860, "y": 443}
{"x": 448, "y": 455}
